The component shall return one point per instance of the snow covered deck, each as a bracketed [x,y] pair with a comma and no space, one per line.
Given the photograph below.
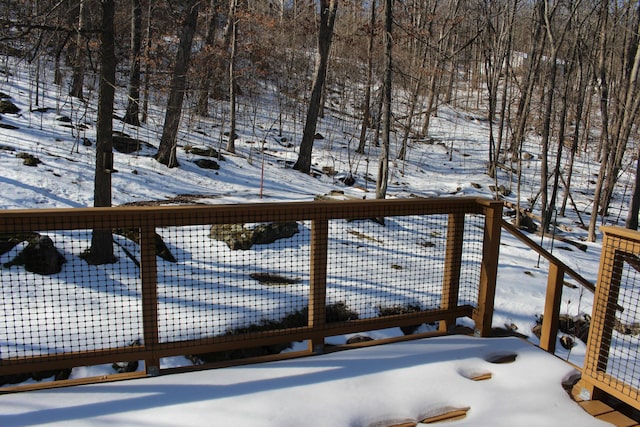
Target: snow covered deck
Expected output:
[381,385]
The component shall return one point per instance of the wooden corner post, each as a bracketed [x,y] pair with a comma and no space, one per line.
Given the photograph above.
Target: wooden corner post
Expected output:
[149,277]
[452,264]
[483,314]
[551,316]
[318,285]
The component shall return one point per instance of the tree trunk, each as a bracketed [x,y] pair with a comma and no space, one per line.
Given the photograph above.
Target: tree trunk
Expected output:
[167,149]
[524,104]
[77,80]
[133,105]
[580,102]
[604,112]
[634,205]
[147,66]
[231,146]
[383,165]
[328,9]
[366,113]
[626,116]
[101,251]
[202,106]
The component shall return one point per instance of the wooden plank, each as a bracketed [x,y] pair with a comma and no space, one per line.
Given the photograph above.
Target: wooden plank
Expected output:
[16,220]
[601,382]
[548,256]
[551,317]
[453,263]
[617,419]
[449,415]
[595,407]
[72,382]
[149,278]
[481,377]
[318,283]
[483,315]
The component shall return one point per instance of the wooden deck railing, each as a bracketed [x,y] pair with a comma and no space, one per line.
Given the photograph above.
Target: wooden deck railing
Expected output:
[441,253]
[555,283]
[612,362]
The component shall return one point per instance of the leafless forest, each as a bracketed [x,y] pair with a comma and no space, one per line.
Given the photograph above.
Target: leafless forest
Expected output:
[564,73]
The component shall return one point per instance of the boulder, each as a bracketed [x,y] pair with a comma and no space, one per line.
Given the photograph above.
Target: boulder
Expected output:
[8,107]
[239,236]
[40,257]
[207,164]
[204,152]
[125,144]
[28,159]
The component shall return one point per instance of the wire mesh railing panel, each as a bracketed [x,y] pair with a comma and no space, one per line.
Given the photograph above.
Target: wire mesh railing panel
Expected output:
[615,318]
[613,354]
[55,302]
[226,282]
[624,353]
[471,259]
[228,279]
[398,267]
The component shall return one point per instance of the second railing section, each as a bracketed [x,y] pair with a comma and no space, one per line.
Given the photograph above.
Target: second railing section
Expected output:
[220,283]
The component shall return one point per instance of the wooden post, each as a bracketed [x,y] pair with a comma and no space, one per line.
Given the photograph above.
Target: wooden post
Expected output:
[318,285]
[619,251]
[452,264]
[551,316]
[605,302]
[483,314]
[149,277]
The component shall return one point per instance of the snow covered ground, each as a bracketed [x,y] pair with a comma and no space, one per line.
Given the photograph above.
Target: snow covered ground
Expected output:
[374,386]
[450,163]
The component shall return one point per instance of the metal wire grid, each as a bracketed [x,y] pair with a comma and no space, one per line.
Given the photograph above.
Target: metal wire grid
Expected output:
[81,308]
[623,361]
[207,289]
[376,270]
[213,289]
[471,259]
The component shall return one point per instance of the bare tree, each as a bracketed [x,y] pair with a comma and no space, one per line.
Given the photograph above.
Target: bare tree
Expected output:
[167,149]
[328,10]
[383,164]
[556,39]
[603,87]
[231,147]
[77,83]
[133,105]
[101,251]
[366,111]
[208,52]
[626,107]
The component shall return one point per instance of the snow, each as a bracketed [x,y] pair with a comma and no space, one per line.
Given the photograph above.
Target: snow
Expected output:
[372,386]
[359,387]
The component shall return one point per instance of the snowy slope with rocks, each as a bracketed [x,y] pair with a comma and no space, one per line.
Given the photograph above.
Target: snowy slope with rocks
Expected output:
[47,155]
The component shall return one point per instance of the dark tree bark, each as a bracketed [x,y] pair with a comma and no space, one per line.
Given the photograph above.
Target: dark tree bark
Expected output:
[603,87]
[524,104]
[167,149]
[581,96]
[77,80]
[133,105]
[555,43]
[366,113]
[202,106]
[147,66]
[231,146]
[383,164]
[101,251]
[626,111]
[634,207]
[328,10]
